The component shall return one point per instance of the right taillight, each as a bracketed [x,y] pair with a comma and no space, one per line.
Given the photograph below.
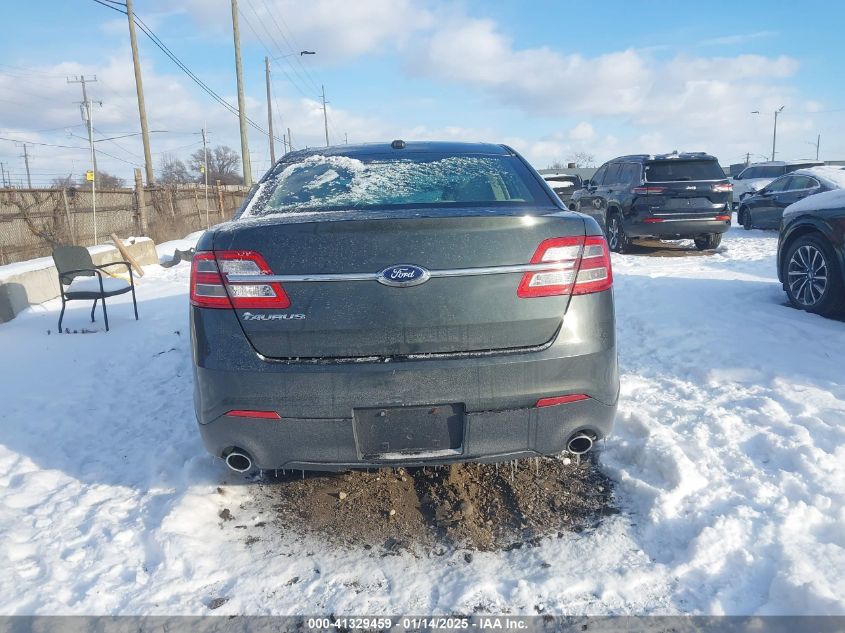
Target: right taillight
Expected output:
[577,265]
[211,288]
[594,273]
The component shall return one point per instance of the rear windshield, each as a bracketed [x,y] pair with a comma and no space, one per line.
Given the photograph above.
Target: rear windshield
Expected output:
[682,170]
[325,183]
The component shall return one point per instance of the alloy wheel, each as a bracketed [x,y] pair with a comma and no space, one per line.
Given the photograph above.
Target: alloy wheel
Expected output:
[807,275]
[613,233]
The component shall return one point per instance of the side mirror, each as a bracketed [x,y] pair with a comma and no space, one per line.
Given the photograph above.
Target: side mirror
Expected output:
[586,184]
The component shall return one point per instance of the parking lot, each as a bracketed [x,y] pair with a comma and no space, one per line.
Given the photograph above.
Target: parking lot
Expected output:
[725,474]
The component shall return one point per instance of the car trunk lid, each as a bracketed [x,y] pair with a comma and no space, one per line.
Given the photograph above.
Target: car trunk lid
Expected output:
[337,308]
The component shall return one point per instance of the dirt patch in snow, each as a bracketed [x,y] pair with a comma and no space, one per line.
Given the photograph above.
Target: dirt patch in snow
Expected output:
[474,506]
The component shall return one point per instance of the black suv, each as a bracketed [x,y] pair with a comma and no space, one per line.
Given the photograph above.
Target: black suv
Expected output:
[667,196]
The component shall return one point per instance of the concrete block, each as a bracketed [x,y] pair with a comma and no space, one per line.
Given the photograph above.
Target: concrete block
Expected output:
[35,281]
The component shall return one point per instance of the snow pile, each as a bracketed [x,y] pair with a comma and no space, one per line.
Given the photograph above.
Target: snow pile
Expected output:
[729,454]
[167,251]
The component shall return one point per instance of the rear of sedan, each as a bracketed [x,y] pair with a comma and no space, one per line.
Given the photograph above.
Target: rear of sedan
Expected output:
[402,304]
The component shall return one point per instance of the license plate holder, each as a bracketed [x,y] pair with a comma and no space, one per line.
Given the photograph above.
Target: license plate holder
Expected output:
[385,433]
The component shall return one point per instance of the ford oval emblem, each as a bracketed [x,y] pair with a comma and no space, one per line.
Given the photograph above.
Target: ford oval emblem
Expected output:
[403,275]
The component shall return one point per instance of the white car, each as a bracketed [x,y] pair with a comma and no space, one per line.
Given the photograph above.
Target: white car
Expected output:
[757,175]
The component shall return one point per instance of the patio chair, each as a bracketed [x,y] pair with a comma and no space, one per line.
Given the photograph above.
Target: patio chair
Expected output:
[80,279]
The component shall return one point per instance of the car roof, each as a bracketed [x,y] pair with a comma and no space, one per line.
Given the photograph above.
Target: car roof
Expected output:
[782,163]
[438,147]
[831,175]
[658,157]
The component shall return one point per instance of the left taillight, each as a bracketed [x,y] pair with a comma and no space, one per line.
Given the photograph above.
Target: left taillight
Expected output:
[211,286]
[578,265]
[207,290]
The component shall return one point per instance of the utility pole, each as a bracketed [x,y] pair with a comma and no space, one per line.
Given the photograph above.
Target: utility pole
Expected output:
[239,72]
[818,144]
[87,114]
[269,113]
[2,176]
[775,132]
[205,172]
[290,143]
[25,157]
[139,88]
[325,116]
[346,137]
[747,158]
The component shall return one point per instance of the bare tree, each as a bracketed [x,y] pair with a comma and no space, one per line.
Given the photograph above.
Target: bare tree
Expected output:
[173,171]
[557,165]
[582,159]
[223,165]
[105,180]
[63,183]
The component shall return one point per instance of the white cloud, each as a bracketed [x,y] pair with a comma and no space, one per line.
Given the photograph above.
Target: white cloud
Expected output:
[582,132]
[740,38]
[336,29]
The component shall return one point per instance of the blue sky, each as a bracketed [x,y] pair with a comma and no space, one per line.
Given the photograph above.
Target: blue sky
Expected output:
[550,78]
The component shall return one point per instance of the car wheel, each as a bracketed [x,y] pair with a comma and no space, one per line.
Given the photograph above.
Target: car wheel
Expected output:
[744,218]
[617,239]
[813,281]
[708,242]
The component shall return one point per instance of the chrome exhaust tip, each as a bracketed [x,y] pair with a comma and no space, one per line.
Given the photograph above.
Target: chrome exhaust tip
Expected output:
[239,461]
[579,444]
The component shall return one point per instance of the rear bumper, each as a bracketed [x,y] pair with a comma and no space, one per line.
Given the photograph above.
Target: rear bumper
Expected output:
[316,401]
[332,444]
[676,229]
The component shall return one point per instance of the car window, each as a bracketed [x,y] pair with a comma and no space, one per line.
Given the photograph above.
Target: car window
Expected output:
[770,171]
[780,184]
[630,174]
[376,181]
[599,175]
[612,176]
[803,182]
[683,170]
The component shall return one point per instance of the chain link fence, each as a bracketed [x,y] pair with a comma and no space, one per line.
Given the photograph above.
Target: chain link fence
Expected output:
[34,221]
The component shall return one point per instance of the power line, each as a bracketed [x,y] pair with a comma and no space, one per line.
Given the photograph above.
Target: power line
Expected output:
[291,49]
[292,44]
[182,66]
[273,56]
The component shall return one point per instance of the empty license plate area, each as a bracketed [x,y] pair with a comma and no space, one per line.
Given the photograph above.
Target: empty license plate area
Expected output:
[397,432]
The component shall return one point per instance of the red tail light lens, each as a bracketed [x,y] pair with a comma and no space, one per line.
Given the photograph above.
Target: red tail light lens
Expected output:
[207,290]
[652,220]
[648,190]
[555,400]
[578,265]
[595,273]
[723,218]
[210,287]
[252,294]
[249,413]
[723,187]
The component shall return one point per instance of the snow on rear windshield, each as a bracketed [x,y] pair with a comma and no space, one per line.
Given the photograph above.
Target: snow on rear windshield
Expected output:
[319,183]
[683,170]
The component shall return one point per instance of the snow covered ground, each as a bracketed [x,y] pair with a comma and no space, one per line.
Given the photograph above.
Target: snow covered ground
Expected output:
[729,458]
